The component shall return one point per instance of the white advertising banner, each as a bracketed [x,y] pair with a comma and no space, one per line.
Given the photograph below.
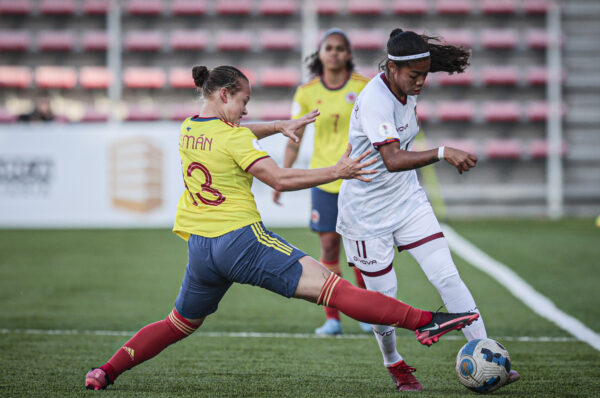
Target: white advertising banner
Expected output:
[111,176]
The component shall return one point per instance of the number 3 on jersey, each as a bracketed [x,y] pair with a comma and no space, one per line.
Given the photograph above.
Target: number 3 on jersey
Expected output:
[206,186]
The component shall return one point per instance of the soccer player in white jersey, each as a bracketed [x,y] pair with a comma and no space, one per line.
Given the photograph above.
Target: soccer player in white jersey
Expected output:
[393,210]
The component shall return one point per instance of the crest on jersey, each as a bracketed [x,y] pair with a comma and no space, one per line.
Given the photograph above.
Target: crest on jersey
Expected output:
[386,129]
[351,97]
[315,216]
[256,145]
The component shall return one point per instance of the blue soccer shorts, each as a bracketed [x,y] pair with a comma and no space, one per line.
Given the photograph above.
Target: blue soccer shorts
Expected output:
[324,210]
[250,255]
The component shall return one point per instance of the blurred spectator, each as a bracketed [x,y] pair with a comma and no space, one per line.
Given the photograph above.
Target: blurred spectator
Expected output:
[41,111]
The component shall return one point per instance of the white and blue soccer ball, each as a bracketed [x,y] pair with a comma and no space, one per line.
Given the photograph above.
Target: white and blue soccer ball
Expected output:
[483,365]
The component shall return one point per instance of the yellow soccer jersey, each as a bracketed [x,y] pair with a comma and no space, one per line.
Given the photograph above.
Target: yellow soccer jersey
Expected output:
[331,127]
[215,157]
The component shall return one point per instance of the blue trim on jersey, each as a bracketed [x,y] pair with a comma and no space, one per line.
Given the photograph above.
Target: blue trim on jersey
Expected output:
[197,118]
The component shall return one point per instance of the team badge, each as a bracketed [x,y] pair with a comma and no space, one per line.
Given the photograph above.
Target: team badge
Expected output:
[351,97]
[256,145]
[315,216]
[386,129]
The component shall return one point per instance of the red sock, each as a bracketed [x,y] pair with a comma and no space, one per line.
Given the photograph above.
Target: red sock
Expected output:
[360,282]
[370,307]
[333,266]
[147,343]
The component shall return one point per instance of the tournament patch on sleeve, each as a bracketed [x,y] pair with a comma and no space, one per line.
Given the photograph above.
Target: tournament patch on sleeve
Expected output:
[245,148]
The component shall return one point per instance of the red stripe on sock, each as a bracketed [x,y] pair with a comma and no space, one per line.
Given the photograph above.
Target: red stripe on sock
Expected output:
[329,263]
[325,288]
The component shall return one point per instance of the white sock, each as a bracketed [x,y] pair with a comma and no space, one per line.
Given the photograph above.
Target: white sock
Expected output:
[436,261]
[386,335]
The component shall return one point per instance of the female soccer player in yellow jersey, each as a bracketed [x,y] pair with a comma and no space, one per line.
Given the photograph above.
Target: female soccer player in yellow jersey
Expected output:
[333,90]
[227,242]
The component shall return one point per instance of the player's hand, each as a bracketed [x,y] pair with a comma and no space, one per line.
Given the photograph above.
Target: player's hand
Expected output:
[276,197]
[348,168]
[462,160]
[289,127]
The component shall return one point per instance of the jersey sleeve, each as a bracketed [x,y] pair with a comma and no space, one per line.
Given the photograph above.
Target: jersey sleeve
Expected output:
[299,105]
[377,119]
[245,149]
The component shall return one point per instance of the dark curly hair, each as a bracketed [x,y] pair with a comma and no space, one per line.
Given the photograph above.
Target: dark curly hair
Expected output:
[315,66]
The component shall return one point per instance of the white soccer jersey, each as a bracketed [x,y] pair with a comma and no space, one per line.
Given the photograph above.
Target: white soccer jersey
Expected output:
[371,210]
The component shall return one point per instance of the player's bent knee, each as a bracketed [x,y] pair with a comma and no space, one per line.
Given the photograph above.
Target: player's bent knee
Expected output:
[312,279]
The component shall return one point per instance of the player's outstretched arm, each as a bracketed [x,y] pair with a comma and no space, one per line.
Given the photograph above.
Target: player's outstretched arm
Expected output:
[285,127]
[397,159]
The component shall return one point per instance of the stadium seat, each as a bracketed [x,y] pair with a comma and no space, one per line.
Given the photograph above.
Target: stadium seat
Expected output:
[144,77]
[57,7]
[146,40]
[278,39]
[95,7]
[538,111]
[56,40]
[501,111]
[536,6]
[95,77]
[15,7]
[362,7]
[189,7]
[504,7]
[500,75]
[277,7]
[249,73]
[55,77]
[189,39]
[465,144]
[233,7]
[456,79]
[95,40]
[537,39]
[328,7]
[144,7]
[499,38]
[279,77]
[539,76]
[7,117]
[138,113]
[457,37]
[274,111]
[368,39]
[367,71]
[424,111]
[503,149]
[457,7]
[15,76]
[181,78]
[180,112]
[410,7]
[234,40]
[14,40]
[456,111]
[93,115]
[540,148]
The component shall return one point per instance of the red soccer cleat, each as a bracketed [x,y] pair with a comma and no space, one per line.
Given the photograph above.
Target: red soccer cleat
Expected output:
[442,323]
[96,379]
[513,376]
[402,375]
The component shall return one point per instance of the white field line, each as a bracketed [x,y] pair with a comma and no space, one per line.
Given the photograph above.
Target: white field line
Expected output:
[539,303]
[74,332]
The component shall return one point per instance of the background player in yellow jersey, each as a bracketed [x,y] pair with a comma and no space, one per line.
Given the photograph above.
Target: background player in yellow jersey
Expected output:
[227,242]
[333,89]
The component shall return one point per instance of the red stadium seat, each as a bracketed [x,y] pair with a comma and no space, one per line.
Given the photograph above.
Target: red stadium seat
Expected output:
[57,7]
[147,40]
[498,6]
[538,111]
[424,111]
[189,39]
[144,77]
[14,40]
[368,39]
[536,6]
[500,76]
[501,111]
[95,77]
[15,7]
[410,7]
[456,111]
[540,148]
[466,145]
[180,112]
[249,73]
[279,77]
[56,40]
[456,79]
[189,7]
[95,7]
[144,7]
[540,76]
[7,117]
[55,77]
[96,40]
[538,39]
[234,7]
[362,7]
[457,37]
[278,39]
[503,149]
[277,7]
[234,40]
[15,76]
[275,111]
[367,71]
[137,113]
[93,115]
[328,7]
[453,6]
[181,78]
[499,38]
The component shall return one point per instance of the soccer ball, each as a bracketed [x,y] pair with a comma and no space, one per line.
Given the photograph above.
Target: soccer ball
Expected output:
[482,365]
